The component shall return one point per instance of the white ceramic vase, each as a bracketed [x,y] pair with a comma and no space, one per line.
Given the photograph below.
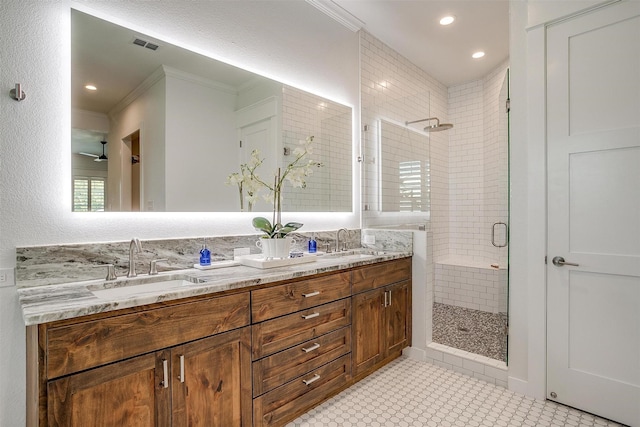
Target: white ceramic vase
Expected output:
[275,248]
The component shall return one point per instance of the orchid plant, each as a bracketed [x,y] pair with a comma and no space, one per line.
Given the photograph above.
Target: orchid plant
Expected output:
[245,182]
[295,173]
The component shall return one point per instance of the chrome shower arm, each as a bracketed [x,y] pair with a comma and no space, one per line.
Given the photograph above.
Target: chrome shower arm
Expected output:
[424,120]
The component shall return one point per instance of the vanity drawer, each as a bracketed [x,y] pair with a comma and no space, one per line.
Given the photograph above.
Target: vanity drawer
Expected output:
[75,347]
[282,367]
[375,276]
[291,297]
[292,399]
[278,334]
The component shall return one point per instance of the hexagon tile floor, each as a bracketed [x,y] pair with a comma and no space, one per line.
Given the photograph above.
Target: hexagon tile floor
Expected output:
[409,393]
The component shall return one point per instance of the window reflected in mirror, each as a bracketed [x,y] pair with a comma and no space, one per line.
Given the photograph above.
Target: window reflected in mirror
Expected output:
[405,168]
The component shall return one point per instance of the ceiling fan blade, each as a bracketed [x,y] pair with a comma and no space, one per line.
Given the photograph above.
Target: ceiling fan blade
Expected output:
[89,154]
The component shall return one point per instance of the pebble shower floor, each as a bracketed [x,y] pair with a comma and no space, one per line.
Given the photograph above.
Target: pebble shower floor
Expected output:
[474,331]
[409,393]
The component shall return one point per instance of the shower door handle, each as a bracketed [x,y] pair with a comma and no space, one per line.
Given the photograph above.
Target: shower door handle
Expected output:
[493,234]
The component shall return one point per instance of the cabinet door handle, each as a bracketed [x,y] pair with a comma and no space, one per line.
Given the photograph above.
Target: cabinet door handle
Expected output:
[165,373]
[181,376]
[315,346]
[386,301]
[310,316]
[311,294]
[389,297]
[311,380]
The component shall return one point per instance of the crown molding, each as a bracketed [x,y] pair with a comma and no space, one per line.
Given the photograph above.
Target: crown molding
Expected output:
[338,13]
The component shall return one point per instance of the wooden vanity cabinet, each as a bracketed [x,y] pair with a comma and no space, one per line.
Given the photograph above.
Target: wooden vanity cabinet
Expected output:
[124,393]
[252,359]
[211,381]
[381,316]
[207,383]
[301,346]
[174,365]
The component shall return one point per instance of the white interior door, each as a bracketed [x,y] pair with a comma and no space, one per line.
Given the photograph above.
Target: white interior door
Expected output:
[593,147]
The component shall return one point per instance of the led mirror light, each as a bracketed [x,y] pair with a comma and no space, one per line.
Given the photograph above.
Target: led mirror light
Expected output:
[447,20]
[477,55]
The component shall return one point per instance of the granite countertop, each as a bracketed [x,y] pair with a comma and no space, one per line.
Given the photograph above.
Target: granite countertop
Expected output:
[49,303]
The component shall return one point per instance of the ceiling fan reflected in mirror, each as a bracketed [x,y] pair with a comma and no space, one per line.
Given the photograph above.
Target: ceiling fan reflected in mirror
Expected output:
[100,158]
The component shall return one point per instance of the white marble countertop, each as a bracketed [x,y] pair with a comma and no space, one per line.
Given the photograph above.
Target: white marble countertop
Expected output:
[41,304]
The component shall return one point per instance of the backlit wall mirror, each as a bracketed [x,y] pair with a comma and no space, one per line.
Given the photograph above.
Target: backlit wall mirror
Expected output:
[156,127]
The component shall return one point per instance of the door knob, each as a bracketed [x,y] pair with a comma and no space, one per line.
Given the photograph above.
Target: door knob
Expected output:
[558,261]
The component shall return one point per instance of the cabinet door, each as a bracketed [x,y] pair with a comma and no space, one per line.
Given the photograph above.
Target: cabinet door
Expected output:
[211,381]
[397,320]
[368,328]
[129,393]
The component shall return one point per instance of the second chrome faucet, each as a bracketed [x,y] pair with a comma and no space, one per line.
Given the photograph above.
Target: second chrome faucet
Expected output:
[134,247]
[344,245]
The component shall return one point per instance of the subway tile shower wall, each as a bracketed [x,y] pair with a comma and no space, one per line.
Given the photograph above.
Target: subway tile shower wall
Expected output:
[478,169]
[468,182]
[396,90]
[476,288]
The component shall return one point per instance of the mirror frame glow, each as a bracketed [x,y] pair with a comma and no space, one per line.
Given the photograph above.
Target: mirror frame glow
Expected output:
[344,172]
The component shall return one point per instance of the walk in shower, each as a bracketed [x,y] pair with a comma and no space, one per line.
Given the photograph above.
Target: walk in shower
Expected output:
[448,184]
[471,282]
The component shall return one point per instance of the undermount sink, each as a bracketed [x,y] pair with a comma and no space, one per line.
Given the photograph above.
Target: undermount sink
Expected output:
[355,254]
[141,287]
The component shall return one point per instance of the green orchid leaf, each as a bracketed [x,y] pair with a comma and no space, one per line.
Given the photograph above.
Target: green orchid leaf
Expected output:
[293,225]
[288,228]
[262,224]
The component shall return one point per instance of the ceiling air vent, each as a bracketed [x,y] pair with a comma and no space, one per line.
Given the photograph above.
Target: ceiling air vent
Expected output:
[145,43]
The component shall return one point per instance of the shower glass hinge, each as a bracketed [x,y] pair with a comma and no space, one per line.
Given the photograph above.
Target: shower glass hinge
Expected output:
[508,105]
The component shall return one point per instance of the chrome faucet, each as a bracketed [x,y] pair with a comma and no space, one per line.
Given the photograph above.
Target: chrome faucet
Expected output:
[134,246]
[338,240]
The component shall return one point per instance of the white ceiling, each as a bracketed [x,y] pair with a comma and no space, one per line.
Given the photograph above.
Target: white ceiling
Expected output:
[412,28]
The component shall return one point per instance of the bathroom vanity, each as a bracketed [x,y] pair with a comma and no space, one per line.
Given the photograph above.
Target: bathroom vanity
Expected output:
[235,350]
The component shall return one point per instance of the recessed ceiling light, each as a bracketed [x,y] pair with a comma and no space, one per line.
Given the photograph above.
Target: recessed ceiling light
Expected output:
[447,20]
[90,87]
[478,55]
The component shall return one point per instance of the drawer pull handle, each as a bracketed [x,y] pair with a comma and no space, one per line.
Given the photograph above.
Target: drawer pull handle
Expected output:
[181,377]
[313,379]
[165,373]
[311,294]
[310,316]
[315,346]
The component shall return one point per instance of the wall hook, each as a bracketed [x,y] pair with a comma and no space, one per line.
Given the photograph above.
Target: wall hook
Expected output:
[17,93]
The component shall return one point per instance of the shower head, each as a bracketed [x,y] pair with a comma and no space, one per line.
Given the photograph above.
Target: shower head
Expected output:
[433,128]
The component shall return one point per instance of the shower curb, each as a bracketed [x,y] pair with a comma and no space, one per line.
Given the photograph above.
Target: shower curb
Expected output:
[481,367]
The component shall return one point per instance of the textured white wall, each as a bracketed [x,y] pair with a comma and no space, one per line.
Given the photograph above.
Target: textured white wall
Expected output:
[289,41]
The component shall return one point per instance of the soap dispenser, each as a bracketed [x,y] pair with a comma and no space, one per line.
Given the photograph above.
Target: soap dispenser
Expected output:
[313,245]
[205,254]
